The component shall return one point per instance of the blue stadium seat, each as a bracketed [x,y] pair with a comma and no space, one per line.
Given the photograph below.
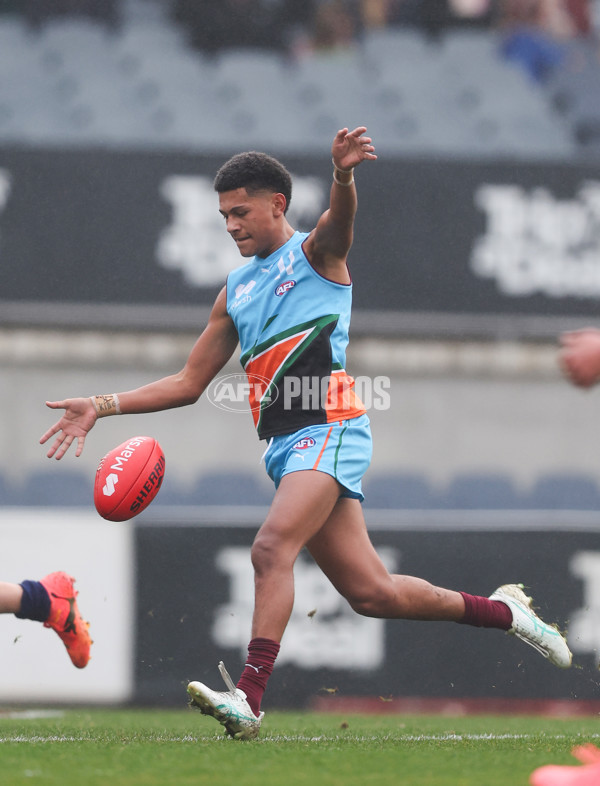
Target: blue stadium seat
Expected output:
[219,488]
[57,488]
[463,47]
[564,491]
[75,83]
[481,491]
[396,47]
[8,492]
[398,491]
[574,91]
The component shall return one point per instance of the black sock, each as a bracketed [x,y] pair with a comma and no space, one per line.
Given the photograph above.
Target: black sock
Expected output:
[35,604]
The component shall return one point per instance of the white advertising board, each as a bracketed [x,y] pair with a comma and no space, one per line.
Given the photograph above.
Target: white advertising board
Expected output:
[99,554]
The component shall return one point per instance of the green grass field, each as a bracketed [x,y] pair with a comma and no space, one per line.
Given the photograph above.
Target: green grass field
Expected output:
[163,747]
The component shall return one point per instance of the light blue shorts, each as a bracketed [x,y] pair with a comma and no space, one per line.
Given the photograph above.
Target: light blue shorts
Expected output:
[342,449]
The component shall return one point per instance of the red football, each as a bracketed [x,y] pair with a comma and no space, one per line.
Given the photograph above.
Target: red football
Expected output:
[128,478]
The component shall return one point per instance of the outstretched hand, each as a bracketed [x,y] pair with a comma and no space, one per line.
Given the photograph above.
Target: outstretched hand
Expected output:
[579,356]
[351,147]
[79,417]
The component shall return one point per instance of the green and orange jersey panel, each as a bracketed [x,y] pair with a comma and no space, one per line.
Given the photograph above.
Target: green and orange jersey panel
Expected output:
[293,329]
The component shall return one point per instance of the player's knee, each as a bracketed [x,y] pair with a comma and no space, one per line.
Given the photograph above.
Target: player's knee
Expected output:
[266,553]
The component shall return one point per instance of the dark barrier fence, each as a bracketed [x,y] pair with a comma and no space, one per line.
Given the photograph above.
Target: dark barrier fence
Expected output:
[195,589]
[135,239]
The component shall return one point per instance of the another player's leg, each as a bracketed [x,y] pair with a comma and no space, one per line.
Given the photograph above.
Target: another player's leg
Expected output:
[302,503]
[343,550]
[51,601]
[10,597]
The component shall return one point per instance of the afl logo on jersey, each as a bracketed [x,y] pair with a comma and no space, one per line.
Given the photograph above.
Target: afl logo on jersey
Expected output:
[304,444]
[283,288]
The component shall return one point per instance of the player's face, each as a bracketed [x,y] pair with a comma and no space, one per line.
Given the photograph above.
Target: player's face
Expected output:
[253,220]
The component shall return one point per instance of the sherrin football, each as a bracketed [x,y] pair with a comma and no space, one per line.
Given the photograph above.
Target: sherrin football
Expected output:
[128,478]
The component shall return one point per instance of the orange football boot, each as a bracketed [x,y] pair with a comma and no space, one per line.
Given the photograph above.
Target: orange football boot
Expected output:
[65,618]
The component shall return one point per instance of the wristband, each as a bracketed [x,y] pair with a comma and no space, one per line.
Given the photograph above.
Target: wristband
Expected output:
[106,404]
[337,169]
[341,182]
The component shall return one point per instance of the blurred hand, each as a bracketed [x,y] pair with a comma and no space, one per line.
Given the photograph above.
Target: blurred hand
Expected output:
[579,356]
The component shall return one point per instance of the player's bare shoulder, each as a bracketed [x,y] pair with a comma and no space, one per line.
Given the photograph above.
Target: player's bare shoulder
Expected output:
[324,259]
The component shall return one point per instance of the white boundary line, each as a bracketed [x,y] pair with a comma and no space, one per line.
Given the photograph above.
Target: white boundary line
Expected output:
[450,737]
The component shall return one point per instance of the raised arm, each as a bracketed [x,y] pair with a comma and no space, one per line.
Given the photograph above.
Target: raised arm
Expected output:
[211,351]
[328,244]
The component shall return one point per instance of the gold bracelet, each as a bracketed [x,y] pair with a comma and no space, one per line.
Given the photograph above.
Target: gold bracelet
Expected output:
[106,404]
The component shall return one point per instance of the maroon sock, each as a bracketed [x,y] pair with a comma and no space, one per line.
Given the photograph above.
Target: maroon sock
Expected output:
[486,613]
[258,669]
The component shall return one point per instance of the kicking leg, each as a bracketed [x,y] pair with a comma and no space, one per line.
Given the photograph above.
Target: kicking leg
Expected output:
[343,550]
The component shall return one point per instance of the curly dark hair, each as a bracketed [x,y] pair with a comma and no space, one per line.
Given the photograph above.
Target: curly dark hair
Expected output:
[254,172]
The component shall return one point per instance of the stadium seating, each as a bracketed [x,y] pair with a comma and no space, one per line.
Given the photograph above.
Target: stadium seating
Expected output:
[481,491]
[384,490]
[218,488]
[564,491]
[399,490]
[574,90]
[8,495]
[76,82]
[55,488]
[405,490]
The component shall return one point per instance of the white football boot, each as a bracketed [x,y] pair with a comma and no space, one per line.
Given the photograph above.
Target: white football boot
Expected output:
[229,707]
[526,624]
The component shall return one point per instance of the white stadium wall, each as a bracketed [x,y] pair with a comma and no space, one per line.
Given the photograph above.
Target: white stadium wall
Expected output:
[35,665]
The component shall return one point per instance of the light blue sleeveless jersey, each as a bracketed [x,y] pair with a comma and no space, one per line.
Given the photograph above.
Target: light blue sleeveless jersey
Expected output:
[293,329]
